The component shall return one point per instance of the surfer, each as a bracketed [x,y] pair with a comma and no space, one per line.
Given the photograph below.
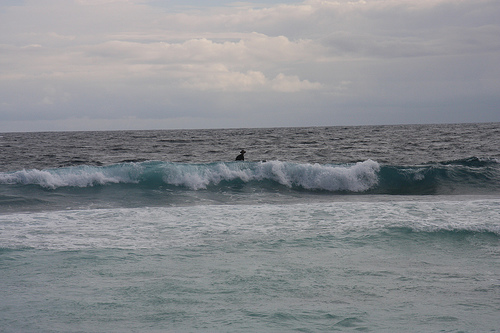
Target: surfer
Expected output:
[241,156]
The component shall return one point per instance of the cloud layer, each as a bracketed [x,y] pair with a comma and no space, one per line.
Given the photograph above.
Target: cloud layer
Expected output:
[117,64]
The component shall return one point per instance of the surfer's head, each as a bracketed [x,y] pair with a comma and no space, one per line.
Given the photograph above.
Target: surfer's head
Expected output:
[242,151]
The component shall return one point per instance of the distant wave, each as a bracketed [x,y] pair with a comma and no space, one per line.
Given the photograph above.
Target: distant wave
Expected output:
[473,162]
[460,176]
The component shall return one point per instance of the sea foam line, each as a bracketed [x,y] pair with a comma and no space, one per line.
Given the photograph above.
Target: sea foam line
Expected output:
[159,227]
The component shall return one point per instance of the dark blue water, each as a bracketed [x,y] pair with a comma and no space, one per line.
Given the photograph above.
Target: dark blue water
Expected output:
[388,145]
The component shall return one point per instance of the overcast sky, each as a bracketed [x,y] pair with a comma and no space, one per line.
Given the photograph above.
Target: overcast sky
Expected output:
[159,64]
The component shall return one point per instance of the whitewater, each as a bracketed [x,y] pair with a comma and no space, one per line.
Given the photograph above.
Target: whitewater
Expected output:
[369,228]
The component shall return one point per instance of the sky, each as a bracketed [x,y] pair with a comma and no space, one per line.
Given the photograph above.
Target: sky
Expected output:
[150,64]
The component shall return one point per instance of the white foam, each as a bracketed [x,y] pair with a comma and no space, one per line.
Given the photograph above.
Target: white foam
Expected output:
[162,227]
[79,177]
[199,176]
[359,177]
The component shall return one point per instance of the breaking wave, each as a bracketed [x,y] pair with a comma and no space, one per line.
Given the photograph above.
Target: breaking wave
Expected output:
[451,177]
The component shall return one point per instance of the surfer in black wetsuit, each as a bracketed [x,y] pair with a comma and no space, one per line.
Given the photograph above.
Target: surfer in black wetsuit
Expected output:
[241,156]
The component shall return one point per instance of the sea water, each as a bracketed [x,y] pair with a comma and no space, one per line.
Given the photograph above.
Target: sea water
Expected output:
[370,228]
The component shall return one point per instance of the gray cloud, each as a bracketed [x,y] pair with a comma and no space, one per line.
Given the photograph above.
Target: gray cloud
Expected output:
[97,64]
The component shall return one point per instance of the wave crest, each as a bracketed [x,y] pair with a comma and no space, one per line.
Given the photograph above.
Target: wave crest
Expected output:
[85,176]
[458,177]
[358,177]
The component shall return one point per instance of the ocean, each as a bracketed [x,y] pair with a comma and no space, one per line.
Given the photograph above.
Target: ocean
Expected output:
[320,229]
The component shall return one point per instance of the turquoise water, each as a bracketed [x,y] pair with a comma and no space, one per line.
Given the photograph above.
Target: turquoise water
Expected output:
[391,265]
[97,242]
